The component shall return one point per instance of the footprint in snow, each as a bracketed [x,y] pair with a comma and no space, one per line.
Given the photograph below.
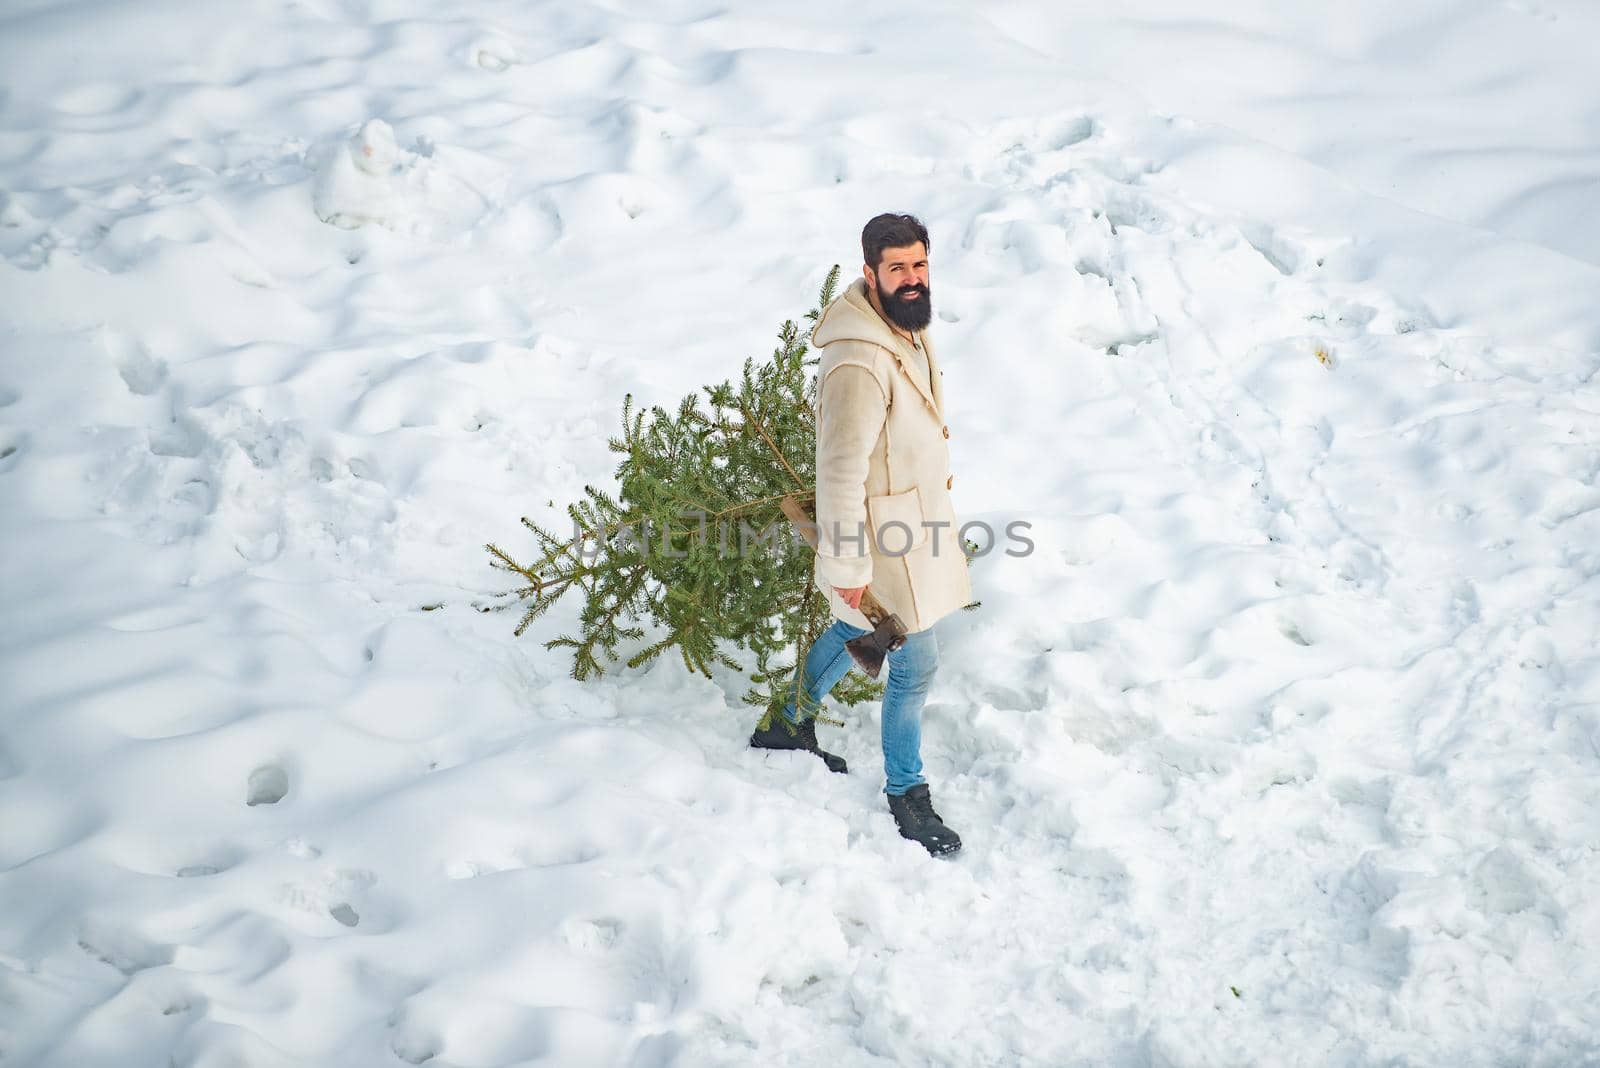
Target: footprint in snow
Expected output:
[123,950]
[343,895]
[183,1001]
[197,871]
[1292,632]
[268,785]
[1501,884]
[1069,132]
[212,861]
[182,439]
[414,1047]
[1285,256]
[142,373]
[195,498]
[1131,213]
[595,936]
[494,55]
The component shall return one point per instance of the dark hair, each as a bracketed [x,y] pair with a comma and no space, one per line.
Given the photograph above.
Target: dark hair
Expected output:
[890,231]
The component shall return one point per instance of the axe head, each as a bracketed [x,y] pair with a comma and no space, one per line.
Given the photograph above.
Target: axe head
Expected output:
[870,650]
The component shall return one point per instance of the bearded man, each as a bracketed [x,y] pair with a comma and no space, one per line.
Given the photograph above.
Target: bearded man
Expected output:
[884,515]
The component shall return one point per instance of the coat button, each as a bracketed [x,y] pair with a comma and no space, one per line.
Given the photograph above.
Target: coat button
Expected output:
[950,482]
[947,432]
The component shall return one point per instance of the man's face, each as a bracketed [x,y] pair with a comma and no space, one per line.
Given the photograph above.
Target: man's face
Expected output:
[902,283]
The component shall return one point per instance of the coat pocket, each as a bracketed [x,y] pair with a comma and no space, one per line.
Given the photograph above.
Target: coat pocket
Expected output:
[897,522]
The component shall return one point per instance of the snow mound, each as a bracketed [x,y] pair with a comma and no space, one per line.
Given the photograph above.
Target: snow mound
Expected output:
[430,191]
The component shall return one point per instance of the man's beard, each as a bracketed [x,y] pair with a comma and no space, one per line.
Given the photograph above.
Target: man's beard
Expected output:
[908,314]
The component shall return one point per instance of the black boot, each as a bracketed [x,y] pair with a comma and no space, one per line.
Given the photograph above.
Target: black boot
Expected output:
[914,815]
[781,734]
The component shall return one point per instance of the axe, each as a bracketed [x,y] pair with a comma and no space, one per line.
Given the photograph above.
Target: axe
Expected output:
[887,633]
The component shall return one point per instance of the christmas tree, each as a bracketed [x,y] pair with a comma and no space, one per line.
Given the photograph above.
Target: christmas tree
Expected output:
[692,553]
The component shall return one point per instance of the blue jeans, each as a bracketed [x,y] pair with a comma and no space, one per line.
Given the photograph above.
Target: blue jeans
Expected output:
[911,671]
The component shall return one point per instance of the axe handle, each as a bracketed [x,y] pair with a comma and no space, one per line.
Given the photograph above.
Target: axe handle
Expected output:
[871,607]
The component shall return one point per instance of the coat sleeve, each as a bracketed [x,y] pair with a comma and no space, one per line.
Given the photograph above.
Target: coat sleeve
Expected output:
[850,412]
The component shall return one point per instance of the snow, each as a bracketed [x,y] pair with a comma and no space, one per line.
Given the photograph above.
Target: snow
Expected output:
[1276,323]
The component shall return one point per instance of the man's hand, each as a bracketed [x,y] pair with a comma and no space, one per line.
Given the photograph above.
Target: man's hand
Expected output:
[852,596]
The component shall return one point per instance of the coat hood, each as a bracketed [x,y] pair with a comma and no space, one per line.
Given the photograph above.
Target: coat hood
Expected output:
[852,317]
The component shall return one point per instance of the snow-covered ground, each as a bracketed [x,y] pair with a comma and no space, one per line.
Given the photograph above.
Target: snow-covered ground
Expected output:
[1283,748]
